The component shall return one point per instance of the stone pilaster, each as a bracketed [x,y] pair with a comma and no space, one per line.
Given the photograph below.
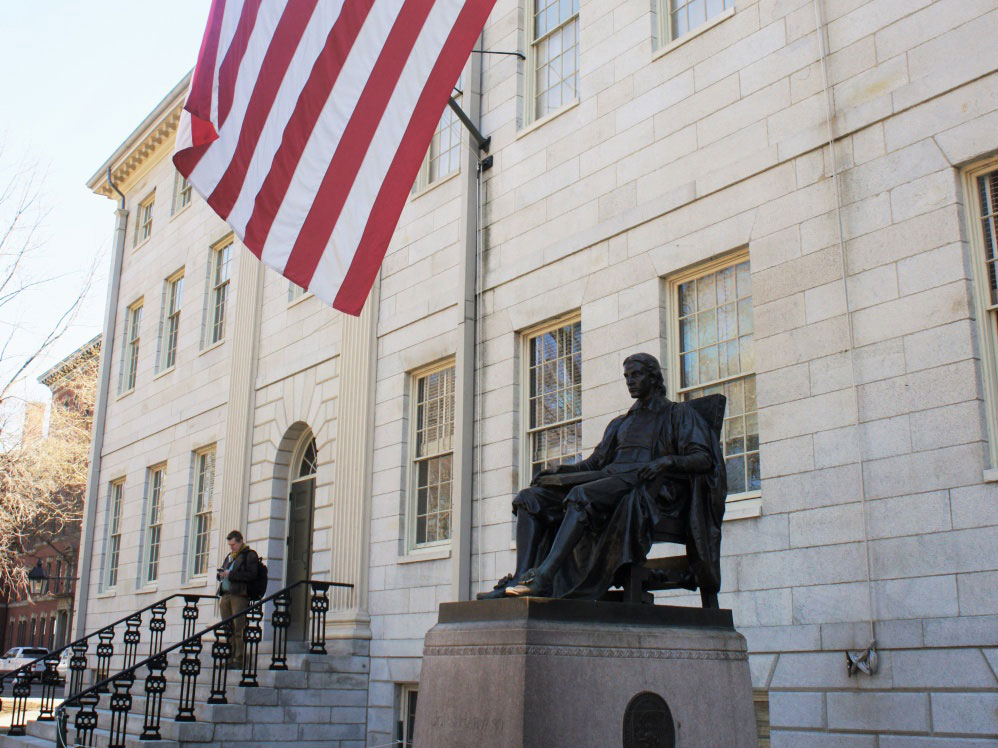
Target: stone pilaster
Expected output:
[349,617]
[244,331]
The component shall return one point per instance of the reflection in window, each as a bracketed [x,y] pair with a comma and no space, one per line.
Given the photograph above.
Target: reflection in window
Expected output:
[554,404]
[434,456]
[554,46]
[716,356]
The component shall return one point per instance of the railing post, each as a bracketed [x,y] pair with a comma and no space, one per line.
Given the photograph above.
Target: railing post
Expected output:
[190,615]
[280,621]
[86,720]
[21,692]
[221,651]
[78,665]
[157,625]
[319,606]
[252,635]
[50,679]
[155,686]
[121,705]
[105,650]
[132,637]
[190,668]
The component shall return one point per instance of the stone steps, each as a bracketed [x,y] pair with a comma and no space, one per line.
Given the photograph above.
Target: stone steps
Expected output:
[321,700]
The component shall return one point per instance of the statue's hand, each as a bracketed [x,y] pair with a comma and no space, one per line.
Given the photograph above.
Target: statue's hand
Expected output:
[541,473]
[656,468]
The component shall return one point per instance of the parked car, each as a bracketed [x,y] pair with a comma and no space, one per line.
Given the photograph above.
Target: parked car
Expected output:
[19,656]
[63,667]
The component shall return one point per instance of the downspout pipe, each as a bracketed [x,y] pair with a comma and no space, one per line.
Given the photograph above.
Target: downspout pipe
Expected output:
[86,561]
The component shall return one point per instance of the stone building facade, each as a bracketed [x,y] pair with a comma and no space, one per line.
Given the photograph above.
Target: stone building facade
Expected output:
[790,201]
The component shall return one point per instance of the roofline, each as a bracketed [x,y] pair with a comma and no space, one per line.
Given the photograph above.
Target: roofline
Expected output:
[161,110]
[49,376]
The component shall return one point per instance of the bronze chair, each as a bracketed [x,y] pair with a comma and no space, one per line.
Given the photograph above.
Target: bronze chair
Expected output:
[679,572]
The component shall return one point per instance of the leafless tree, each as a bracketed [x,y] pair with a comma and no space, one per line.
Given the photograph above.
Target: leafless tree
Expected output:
[42,472]
[23,273]
[43,478]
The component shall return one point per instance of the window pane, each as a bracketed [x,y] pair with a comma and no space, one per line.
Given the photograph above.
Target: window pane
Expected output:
[433,451]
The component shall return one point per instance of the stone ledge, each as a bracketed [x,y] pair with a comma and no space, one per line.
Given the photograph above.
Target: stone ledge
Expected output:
[582,611]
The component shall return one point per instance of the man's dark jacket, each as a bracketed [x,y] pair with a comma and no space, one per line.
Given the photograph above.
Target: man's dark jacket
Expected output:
[242,569]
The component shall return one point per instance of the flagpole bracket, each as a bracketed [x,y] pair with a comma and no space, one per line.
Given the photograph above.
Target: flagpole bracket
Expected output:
[485,164]
[482,141]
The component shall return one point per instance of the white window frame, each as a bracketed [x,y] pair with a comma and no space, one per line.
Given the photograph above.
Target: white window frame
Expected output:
[530,113]
[183,193]
[169,324]
[986,313]
[412,542]
[112,555]
[143,219]
[295,292]
[201,505]
[406,703]
[128,372]
[745,503]
[152,535]
[526,432]
[667,34]
[449,125]
[218,292]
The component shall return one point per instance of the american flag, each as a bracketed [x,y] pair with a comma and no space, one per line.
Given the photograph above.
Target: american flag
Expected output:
[307,121]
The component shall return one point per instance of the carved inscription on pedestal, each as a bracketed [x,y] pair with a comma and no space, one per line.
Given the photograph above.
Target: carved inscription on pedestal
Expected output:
[648,723]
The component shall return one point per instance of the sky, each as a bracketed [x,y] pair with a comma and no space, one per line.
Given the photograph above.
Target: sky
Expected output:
[78,77]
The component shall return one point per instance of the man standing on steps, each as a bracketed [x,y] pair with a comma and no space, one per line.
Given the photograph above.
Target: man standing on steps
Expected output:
[241,565]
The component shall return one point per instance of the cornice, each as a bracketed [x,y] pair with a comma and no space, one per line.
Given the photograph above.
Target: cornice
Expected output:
[159,127]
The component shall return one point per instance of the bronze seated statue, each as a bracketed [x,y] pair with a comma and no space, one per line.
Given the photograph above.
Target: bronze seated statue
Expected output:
[657,475]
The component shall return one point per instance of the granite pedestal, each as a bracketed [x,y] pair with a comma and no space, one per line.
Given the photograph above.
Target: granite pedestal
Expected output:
[541,673]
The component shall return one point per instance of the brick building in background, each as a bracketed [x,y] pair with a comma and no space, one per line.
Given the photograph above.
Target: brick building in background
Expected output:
[42,614]
[790,201]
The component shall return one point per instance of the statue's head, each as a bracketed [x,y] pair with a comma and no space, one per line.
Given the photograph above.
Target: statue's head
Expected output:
[643,375]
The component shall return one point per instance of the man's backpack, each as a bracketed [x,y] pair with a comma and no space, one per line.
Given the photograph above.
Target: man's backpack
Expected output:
[257,588]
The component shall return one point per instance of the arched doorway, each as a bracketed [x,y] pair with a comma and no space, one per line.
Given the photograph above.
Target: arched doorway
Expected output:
[301,509]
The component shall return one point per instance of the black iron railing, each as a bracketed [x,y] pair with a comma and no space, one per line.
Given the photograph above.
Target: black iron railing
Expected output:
[120,701]
[104,651]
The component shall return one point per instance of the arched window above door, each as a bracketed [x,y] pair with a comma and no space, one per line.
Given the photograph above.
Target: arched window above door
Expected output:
[309,461]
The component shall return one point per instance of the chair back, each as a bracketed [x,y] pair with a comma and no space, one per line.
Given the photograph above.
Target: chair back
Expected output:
[711,408]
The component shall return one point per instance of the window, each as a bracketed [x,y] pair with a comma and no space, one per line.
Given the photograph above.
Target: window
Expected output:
[982,200]
[219,263]
[714,354]
[113,534]
[444,156]
[130,348]
[554,397]
[552,56]
[433,457]
[143,219]
[173,299]
[181,193]
[204,483]
[405,716]
[295,291]
[681,16]
[154,524]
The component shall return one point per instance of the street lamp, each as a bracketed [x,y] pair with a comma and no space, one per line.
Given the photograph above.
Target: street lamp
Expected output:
[37,578]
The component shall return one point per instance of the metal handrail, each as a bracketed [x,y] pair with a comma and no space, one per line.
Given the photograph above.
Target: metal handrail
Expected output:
[27,666]
[190,667]
[105,650]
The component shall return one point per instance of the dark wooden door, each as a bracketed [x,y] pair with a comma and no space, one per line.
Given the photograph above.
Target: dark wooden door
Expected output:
[300,553]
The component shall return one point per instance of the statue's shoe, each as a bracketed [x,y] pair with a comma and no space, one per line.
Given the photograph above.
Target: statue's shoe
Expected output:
[499,591]
[531,584]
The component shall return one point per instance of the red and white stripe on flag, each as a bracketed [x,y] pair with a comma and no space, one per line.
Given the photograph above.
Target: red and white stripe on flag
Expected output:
[307,121]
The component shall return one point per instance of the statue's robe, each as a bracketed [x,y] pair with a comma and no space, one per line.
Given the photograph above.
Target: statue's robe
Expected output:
[621,511]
